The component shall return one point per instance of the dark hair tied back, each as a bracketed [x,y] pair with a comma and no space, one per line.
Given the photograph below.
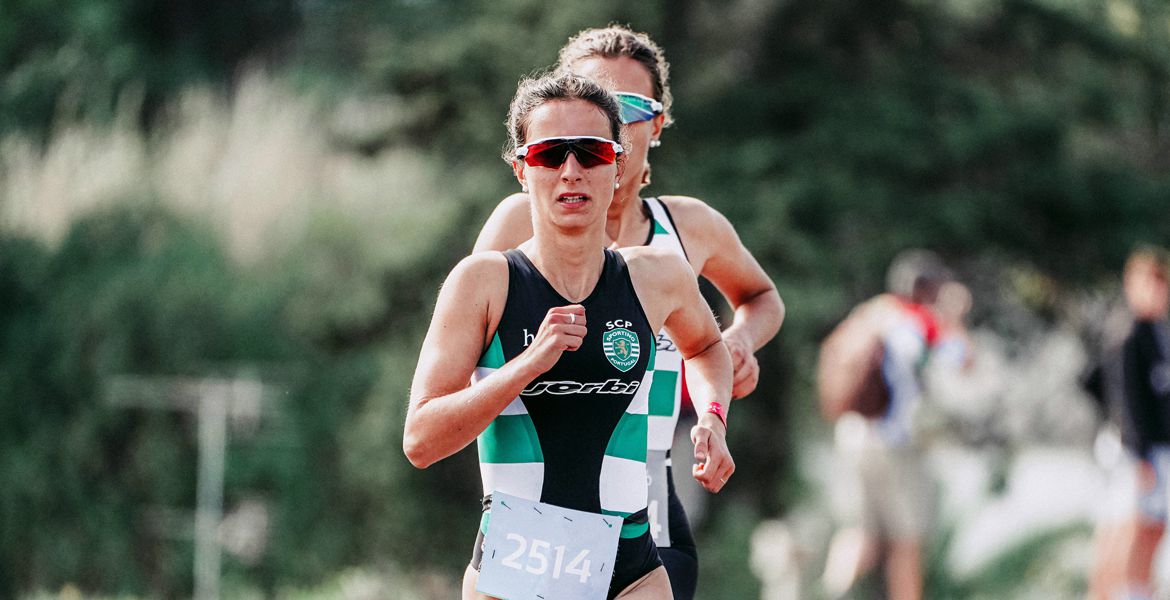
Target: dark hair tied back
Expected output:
[533,93]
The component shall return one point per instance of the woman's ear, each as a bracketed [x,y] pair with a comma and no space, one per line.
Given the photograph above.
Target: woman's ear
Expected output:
[659,123]
[518,170]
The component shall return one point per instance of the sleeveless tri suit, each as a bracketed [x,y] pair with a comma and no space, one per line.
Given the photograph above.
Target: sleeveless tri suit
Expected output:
[576,436]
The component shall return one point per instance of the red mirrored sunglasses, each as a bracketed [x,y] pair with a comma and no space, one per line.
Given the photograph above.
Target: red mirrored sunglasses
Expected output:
[590,151]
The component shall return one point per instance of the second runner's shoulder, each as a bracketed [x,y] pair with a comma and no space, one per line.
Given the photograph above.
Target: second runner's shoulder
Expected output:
[509,225]
[703,229]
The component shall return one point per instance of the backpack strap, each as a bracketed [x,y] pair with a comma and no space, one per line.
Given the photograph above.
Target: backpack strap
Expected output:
[926,320]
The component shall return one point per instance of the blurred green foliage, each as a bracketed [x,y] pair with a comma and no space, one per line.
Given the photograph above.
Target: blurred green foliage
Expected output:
[1022,134]
[76,59]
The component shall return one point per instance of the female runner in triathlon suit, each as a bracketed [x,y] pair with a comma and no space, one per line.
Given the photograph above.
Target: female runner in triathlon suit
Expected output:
[633,67]
[558,334]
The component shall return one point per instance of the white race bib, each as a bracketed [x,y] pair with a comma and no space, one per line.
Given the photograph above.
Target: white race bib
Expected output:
[537,551]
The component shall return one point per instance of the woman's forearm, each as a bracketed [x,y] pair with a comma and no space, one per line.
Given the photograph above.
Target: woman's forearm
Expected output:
[439,426]
[757,320]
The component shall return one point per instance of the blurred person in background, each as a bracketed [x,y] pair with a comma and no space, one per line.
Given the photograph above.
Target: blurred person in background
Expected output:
[1133,381]
[515,323]
[952,352]
[633,67]
[878,352]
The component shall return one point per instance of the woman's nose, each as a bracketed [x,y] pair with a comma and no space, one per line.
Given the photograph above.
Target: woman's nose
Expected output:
[571,170]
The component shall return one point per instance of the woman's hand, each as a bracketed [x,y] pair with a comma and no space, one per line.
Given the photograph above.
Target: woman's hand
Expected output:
[714,465]
[744,365]
[563,329]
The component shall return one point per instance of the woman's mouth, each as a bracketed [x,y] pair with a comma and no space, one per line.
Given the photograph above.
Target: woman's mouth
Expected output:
[572,198]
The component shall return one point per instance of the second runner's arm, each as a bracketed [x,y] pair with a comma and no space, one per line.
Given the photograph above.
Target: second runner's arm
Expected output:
[721,257]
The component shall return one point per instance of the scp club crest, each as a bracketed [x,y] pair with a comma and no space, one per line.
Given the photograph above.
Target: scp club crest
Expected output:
[621,348]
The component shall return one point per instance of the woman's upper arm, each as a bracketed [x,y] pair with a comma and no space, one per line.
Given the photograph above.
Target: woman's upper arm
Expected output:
[670,295]
[509,225]
[467,311]
[725,261]
[691,324]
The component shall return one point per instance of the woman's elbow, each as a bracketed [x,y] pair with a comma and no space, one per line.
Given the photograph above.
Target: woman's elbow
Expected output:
[416,451]
[712,347]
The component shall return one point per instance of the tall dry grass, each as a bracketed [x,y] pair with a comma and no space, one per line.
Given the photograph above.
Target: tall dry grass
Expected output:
[260,165]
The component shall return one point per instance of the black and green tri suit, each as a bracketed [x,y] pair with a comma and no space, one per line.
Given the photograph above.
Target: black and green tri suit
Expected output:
[576,436]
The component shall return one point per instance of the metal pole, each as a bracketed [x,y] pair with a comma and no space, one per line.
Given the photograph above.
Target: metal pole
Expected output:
[213,401]
[209,489]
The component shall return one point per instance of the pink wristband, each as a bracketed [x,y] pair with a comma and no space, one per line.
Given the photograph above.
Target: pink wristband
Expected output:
[716,409]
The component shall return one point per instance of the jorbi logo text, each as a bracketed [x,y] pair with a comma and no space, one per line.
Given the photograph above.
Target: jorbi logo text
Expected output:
[609,386]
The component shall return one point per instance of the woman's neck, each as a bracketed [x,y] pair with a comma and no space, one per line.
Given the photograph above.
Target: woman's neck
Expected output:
[571,263]
[626,222]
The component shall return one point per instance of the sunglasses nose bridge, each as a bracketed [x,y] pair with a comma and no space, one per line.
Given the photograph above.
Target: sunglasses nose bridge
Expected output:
[572,168]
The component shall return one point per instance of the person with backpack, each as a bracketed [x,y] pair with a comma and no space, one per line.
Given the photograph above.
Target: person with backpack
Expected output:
[869,378]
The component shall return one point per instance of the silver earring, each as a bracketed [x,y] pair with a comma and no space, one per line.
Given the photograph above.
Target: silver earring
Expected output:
[655,143]
[524,187]
[617,184]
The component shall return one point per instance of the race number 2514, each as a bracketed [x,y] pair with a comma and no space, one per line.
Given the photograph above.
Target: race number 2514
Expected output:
[538,551]
[542,555]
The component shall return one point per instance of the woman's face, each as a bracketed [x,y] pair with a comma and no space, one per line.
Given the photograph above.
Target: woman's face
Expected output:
[570,196]
[624,74]
[1147,291]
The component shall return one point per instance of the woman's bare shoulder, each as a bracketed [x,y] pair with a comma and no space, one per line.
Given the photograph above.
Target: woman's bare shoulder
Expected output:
[479,270]
[655,265]
[695,217]
[509,225]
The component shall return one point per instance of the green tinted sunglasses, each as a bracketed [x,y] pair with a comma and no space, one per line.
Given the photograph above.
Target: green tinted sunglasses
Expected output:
[636,108]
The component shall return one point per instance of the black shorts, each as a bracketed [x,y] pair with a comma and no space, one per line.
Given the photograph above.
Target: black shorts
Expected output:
[636,556]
